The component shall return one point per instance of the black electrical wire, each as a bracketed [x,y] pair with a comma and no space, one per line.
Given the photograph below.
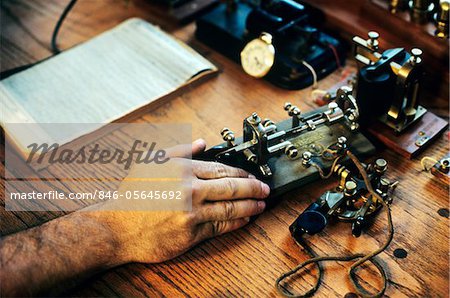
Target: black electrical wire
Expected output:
[54,46]
[61,19]
[362,258]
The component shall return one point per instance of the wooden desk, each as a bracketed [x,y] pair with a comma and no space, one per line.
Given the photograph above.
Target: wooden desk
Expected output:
[246,262]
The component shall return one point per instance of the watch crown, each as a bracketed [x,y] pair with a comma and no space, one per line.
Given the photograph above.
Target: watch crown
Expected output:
[266,37]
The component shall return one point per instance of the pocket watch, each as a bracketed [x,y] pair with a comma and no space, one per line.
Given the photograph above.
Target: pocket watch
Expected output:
[258,56]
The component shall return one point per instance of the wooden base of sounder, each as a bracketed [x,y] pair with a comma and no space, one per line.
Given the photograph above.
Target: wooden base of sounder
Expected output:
[415,139]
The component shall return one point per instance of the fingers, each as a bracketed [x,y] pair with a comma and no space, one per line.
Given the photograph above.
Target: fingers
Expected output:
[216,228]
[228,210]
[187,150]
[229,189]
[214,170]
[198,146]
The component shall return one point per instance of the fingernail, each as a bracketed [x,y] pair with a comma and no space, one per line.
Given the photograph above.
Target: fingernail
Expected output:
[199,142]
[251,176]
[261,206]
[265,189]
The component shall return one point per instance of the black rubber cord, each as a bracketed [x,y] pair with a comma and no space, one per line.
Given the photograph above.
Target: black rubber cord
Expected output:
[361,258]
[61,19]
[54,46]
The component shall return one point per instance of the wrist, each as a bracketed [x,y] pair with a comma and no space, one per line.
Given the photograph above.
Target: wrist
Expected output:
[107,239]
[113,227]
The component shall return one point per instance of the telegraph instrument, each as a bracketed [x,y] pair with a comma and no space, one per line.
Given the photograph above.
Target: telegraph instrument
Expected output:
[387,91]
[439,168]
[363,190]
[278,40]
[349,202]
[432,15]
[275,152]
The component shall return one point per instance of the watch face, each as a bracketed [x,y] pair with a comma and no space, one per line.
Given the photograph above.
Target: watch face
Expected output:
[257,58]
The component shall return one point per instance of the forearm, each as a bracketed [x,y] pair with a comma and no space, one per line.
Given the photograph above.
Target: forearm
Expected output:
[78,245]
[65,249]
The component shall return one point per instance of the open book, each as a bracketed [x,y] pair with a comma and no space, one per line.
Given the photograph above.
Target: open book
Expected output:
[130,68]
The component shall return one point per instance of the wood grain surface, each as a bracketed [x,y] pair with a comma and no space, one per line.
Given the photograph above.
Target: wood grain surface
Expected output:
[244,263]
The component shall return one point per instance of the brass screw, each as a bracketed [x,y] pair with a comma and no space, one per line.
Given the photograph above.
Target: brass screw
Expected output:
[306,158]
[373,40]
[254,119]
[227,135]
[333,106]
[445,165]
[416,56]
[291,151]
[291,109]
[268,122]
[342,142]
[442,19]
[393,6]
[380,165]
[350,188]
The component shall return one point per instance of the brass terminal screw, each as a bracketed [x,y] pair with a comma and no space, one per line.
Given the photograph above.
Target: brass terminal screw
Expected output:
[445,165]
[342,142]
[352,115]
[254,119]
[291,109]
[291,151]
[332,106]
[350,188]
[372,42]
[393,6]
[267,122]
[416,56]
[380,165]
[442,19]
[228,136]
[306,158]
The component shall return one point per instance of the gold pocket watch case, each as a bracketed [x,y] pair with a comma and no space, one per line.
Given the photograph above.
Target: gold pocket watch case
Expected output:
[258,56]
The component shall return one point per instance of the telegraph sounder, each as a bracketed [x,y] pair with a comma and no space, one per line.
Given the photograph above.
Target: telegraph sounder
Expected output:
[387,91]
[277,40]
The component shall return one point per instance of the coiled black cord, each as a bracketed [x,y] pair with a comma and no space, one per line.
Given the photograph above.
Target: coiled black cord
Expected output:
[362,258]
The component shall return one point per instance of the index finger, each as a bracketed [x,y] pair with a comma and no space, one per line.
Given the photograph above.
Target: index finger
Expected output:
[214,170]
[233,188]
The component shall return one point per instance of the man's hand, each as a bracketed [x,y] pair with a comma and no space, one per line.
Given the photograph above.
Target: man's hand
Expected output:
[223,200]
[86,242]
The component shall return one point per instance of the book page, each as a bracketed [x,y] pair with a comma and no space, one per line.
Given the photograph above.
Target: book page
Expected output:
[102,79]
